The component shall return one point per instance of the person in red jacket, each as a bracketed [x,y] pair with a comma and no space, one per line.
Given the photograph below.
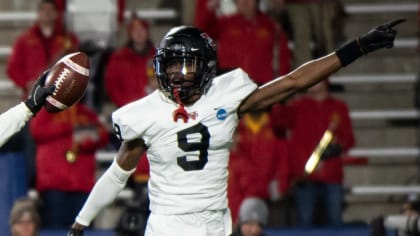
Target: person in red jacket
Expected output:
[249,30]
[39,47]
[127,67]
[307,118]
[66,143]
[256,159]
[35,50]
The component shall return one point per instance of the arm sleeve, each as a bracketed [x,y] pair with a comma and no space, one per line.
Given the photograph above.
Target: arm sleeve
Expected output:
[13,120]
[104,192]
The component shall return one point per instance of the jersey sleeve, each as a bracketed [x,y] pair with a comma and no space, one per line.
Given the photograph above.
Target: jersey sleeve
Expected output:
[130,121]
[13,120]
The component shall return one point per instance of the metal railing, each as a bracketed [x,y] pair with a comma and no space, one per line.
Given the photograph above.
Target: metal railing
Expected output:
[29,16]
[370,8]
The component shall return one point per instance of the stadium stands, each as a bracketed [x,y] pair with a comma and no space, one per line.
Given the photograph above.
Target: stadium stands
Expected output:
[379,90]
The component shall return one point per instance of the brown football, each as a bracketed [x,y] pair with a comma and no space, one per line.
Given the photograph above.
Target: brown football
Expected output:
[70,75]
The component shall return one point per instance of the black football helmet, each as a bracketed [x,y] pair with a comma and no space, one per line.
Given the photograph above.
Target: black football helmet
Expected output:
[194,54]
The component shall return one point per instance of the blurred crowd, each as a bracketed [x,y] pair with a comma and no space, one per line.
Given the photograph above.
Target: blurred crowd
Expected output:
[268,182]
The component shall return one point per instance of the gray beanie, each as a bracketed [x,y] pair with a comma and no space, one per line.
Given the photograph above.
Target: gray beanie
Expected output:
[21,207]
[253,209]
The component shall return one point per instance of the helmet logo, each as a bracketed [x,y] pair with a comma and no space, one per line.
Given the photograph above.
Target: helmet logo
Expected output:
[208,39]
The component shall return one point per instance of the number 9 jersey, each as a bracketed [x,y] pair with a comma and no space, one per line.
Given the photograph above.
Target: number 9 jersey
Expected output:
[188,161]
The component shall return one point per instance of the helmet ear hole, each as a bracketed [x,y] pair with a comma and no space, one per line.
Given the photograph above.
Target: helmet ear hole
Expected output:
[186,43]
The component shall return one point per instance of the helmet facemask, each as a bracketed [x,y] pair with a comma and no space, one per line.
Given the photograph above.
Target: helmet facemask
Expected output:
[185,64]
[181,76]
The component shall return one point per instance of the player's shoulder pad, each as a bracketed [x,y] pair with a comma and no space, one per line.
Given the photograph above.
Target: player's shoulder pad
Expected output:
[234,85]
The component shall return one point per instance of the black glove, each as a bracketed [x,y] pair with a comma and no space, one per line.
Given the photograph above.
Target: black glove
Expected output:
[75,232]
[39,93]
[380,37]
[332,150]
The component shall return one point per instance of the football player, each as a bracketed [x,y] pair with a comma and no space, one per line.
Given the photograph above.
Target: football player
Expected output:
[186,127]
[13,120]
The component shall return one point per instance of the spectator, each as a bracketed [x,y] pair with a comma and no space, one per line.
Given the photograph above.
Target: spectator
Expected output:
[253,216]
[313,21]
[325,183]
[33,52]
[65,161]
[126,76]
[254,161]
[24,218]
[247,30]
[39,47]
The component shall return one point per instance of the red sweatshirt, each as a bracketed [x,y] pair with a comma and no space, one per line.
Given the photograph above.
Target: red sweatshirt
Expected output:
[256,160]
[307,121]
[33,53]
[53,135]
[246,44]
[126,75]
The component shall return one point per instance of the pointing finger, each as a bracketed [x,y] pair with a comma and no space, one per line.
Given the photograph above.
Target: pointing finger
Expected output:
[395,22]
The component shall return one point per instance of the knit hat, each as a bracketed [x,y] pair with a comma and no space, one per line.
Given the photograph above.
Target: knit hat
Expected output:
[253,209]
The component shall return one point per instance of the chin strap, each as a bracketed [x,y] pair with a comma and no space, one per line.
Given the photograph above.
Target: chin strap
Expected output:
[180,112]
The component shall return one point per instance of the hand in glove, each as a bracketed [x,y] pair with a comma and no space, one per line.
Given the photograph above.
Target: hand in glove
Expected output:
[331,151]
[382,36]
[39,93]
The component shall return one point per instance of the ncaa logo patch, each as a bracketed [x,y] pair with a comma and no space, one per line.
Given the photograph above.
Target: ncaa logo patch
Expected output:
[221,114]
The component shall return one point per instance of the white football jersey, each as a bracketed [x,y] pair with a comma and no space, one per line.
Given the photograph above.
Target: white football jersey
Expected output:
[188,161]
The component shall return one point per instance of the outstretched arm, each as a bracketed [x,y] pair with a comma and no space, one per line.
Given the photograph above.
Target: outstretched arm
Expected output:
[314,71]
[282,87]
[110,184]
[13,120]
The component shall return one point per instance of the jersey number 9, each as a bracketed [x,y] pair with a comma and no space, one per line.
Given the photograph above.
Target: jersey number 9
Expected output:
[201,146]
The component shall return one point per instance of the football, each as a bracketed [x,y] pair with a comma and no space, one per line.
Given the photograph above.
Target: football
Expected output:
[70,75]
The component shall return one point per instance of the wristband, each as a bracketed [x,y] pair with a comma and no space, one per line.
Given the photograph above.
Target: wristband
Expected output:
[348,52]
